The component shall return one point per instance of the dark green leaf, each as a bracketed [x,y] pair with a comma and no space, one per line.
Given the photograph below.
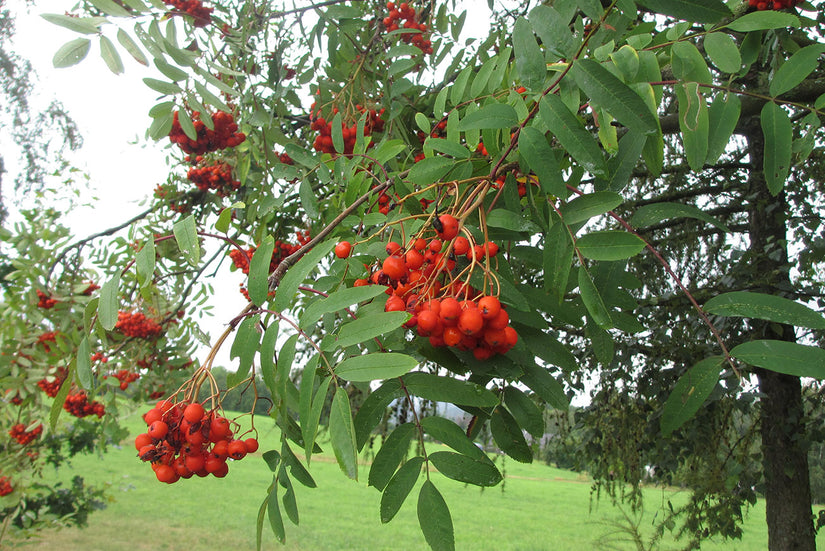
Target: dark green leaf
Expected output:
[267,352]
[274,511]
[296,468]
[557,257]
[493,115]
[258,284]
[244,347]
[533,146]
[778,131]
[593,300]
[545,385]
[465,469]
[723,115]
[609,245]
[452,435]
[368,327]
[509,220]
[723,51]
[273,460]
[699,11]
[796,69]
[690,392]
[342,434]
[399,488]
[570,132]
[648,215]
[393,451]
[60,399]
[434,519]
[430,170]
[372,410]
[507,435]
[763,21]
[789,358]
[587,206]
[529,58]
[447,389]
[525,411]
[375,366]
[766,307]
[447,147]
[71,53]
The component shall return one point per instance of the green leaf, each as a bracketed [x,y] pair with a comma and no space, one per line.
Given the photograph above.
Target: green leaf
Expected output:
[530,65]
[82,25]
[132,47]
[109,303]
[689,64]
[508,437]
[545,386]
[648,215]
[785,357]
[434,519]
[186,236]
[372,410]
[447,389]
[259,525]
[368,327]
[166,88]
[84,364]
[570,132]
[338,300]
[225,217]
[71,53]
[244,347]
[492,115]
[509,220]
[342,434]
[699,11]
[393,451]
[274,512]
[796,69]
[557,257]
[766,307]
[399,487]
[525,411]
[609,245]
[296,468]
[258,284]
[145,263]
[593,301]
[723,52]
[447,147]
[452,435]
[723,115]
[110,8]
[778,131]
[309,426]
[466,469]
[614,96]
[552,28]
[533,146]
[267,353]
[763,21]
[186,124]
[375,366]
[60,399]
[109,54]
[430,170]
[585,207]
[293,278]
[305,399]
[694,124]
[690,392]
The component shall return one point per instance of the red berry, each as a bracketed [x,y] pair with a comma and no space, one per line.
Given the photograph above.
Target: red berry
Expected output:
[447,228]
[343,249]
[193,412]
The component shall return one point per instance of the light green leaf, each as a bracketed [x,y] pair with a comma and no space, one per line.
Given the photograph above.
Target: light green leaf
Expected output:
[186,236]
[694,124]
[109,302]
[258,284]
[368,327]
[690,392]
[84,364]
[766,307]
[723,52]
[132,47]
[225,217]
[509,220]
[466,469]
[394,450]
[609,245]
[342,434]
[71,53]
[434,519]
[375,366]
[447,147]
[82,25]
[399,487]
[585,207]
[796,69]
[338,300]
[785,357]
[186,124]
[430,170]
[145,263]
[778,132]
[60,399]
[763,21]
[166,88]
[110,8]
[492,115]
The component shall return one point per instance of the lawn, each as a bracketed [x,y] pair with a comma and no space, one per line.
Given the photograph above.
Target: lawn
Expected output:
[537,508]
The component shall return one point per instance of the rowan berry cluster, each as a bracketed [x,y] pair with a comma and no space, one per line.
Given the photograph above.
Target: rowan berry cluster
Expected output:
[125,377]
[404,17]
[521,182]
[285,159]
[5,486]
[240,258]
[99,357]
[224,135]
[137,325]
[421,280]
[773,5]
[216,177]
[201,15]
[91,288]
[77,403]
[323,141]
[185,439]
[44,300]
[46,338]
[51,383]
[23,437]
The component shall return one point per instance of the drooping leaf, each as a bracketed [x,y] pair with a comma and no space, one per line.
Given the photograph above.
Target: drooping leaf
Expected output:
[452,435]
[466,469]
[375,366]
[110,56]
[690,392]
[372,410]
[258,285]
[84,364]
[368,327]
[60,398]
[785,357]
[244,347]
[434,519]
[186,236]
[723,115]
[447,389]
[766,307]
[533,146]
[342,434]
[524,410]
[393,451]
[593,300]
[399,487]
[694,124]
[274,513]
[609,245]
[570,132]
[267,353]
[529,58]
[145,263]
[778,132]
[545,386]
[107,308]
[508,437]
[71,53]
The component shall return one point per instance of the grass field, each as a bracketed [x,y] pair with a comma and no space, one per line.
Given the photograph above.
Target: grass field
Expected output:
[538,508]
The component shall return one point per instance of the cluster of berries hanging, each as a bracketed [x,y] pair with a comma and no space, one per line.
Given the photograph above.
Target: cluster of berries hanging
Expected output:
[184,439]
[5,486]
[216,177]
[773,4]
[125,377]
[23,437]
[77,403]
[323,141]
[51,383]
[404,17]
[201,15]
[45,301]
[225,134]
[240,257]
[421,280]
[46,338]
[284,158]
[137,325]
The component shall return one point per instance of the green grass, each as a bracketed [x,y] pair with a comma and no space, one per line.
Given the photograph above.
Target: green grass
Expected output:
[538,508]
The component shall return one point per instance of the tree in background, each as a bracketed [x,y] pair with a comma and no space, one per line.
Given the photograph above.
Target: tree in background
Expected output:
[423,219]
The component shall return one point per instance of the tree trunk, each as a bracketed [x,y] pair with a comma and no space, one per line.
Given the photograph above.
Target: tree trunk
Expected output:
[784,442]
